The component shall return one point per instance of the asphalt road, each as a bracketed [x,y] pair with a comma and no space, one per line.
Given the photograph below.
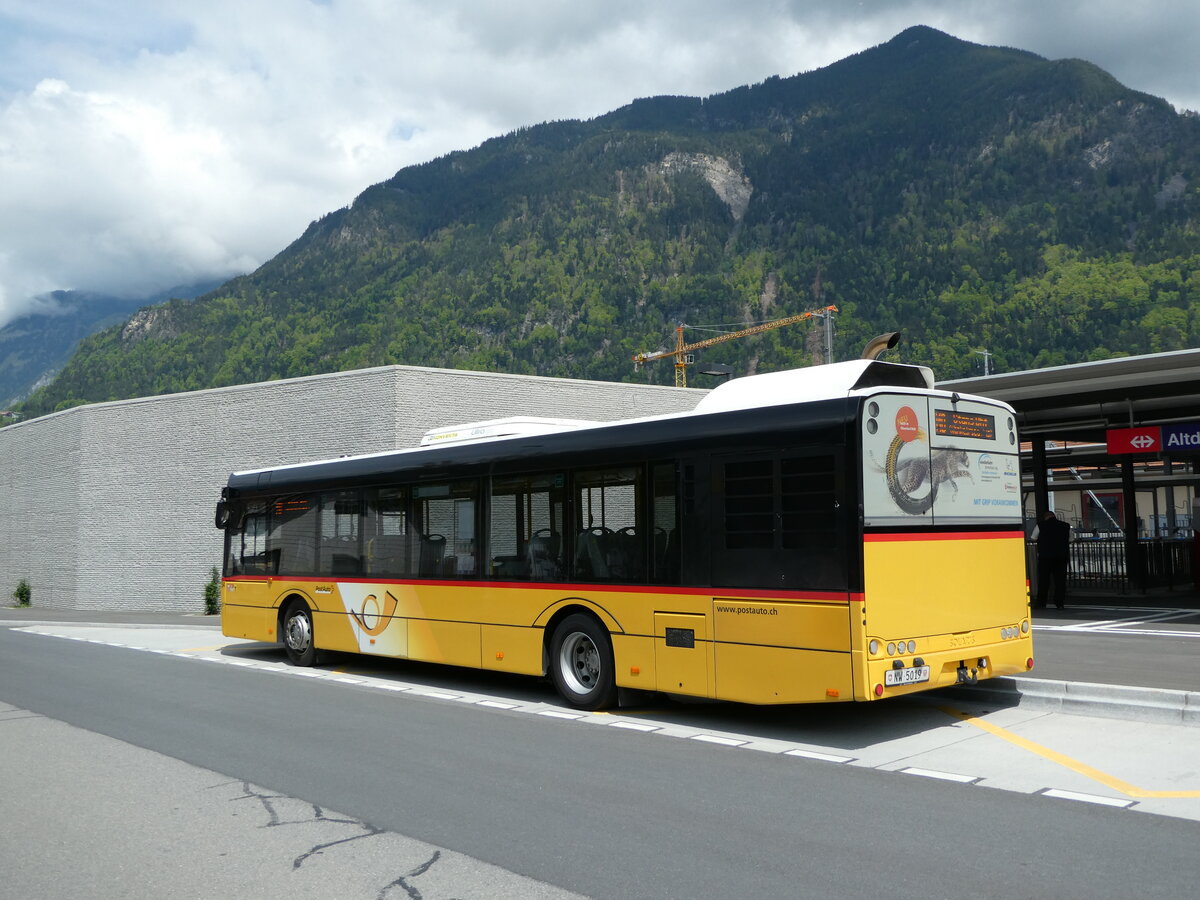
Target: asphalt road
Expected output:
[1112,644]
[600,812]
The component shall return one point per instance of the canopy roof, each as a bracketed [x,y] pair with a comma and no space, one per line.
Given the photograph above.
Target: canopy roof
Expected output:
[1080,402]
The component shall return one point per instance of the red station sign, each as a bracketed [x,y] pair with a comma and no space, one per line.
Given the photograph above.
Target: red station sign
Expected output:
[1147,439]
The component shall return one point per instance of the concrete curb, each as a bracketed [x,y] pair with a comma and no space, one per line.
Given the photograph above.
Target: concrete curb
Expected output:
[1082,698]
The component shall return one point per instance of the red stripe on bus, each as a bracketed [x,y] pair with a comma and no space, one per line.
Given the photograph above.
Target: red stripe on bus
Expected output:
[579,588]
[944,536]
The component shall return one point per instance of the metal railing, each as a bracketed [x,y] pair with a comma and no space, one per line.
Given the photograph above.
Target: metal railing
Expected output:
[1099,564]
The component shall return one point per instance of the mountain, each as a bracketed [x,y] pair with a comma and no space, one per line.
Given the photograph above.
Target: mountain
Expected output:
[972,197]
[35,347]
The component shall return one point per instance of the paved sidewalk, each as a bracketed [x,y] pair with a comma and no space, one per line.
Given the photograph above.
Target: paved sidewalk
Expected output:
[90,816]
[11,615]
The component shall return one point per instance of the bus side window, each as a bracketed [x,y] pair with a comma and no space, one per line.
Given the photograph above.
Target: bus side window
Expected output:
[525,538]
[444,517]
[248,545]
[388,538]
[666,525]
[611,537]
[340,552]
[292,539]
[779,514]
[811,519]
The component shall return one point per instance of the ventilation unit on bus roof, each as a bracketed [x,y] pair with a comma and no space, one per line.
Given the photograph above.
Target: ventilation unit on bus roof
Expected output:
[814,383]
[492,429]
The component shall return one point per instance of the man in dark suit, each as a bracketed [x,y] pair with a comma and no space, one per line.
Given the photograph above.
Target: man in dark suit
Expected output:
[1054,556]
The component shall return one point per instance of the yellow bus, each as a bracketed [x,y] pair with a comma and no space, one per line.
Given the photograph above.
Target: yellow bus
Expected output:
[842,532]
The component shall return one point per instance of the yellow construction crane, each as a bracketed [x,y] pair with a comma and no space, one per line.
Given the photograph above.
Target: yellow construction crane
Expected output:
[682,351]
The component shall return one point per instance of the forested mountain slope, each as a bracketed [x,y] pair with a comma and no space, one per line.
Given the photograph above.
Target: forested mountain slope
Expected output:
[972,197]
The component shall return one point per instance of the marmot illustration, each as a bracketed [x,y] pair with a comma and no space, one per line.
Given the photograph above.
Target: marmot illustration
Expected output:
[905,477]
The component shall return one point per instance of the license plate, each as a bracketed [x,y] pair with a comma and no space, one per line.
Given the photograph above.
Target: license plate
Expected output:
[913,675]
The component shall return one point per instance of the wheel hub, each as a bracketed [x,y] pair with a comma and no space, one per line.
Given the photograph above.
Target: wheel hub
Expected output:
[298,633]
[581,662]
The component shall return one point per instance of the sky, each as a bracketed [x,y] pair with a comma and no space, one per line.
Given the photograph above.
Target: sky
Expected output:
[146,144]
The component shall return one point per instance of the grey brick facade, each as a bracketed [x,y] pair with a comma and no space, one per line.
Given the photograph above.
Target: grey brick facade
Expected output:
[109,506]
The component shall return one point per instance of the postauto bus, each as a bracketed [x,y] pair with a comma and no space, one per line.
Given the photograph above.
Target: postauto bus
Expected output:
[835,533]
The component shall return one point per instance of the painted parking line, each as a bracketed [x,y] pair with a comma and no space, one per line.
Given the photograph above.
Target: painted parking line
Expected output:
[1129,621]
[1080,768]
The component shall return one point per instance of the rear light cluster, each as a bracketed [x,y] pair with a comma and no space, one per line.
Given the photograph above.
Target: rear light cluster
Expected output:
[893,647]
[1014,631]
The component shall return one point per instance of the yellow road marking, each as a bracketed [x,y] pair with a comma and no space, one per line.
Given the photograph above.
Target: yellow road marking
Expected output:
[1074,765]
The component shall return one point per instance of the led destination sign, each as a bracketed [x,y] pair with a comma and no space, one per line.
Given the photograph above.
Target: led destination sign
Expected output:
[955,424]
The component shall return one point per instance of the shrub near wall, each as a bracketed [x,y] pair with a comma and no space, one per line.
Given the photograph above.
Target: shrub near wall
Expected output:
[24,593]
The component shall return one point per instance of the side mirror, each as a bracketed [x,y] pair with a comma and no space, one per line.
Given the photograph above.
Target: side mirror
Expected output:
[226,515]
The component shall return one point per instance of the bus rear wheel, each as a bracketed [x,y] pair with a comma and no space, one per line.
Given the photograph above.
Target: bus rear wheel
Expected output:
[297,633]
[581,663]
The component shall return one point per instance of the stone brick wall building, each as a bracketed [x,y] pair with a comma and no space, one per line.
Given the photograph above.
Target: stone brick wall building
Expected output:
[110,506]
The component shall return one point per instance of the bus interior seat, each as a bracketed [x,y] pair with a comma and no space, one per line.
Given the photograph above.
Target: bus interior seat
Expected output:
[387,554]
[629,554]
[590,558]
[433,549]
[542,555]
[667,565]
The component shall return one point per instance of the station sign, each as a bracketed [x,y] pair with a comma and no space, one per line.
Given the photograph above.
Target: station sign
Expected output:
[1183,438]
[1147,439]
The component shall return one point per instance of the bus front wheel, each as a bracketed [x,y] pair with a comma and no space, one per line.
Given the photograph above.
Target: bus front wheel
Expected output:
[581,663]
[297,633]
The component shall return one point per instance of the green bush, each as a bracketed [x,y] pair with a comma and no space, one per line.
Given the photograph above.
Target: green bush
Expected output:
[212,594]
[24,593]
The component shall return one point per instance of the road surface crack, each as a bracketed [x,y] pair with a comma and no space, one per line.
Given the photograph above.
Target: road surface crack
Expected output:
[250,792]
[402,882]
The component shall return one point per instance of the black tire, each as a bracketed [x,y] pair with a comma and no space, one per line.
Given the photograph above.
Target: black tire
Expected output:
[581,663]
[296,631]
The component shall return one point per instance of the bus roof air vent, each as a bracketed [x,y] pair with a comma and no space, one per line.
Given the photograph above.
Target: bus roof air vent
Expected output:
[814,383]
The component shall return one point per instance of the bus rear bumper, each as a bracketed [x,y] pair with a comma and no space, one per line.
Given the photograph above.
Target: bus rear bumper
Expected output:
[948,668]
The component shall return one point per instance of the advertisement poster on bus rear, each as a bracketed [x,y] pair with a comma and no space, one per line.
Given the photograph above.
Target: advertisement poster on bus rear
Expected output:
[934,461]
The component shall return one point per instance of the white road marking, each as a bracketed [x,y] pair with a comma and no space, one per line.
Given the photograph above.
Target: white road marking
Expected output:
[1088,798]
[824,757]
[634,726]
[941,776]
[715,739]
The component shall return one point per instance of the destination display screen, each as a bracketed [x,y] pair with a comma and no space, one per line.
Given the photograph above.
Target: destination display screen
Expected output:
[955,424]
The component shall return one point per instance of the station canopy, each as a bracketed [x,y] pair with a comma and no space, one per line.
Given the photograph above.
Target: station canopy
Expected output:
[1080,403]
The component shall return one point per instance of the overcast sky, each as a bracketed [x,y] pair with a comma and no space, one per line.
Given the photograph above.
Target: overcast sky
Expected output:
[150,143]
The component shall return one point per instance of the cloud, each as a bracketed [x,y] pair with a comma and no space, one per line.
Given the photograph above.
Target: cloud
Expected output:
[147,144]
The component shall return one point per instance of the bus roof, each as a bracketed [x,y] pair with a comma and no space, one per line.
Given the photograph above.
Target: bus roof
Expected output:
[811,394]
